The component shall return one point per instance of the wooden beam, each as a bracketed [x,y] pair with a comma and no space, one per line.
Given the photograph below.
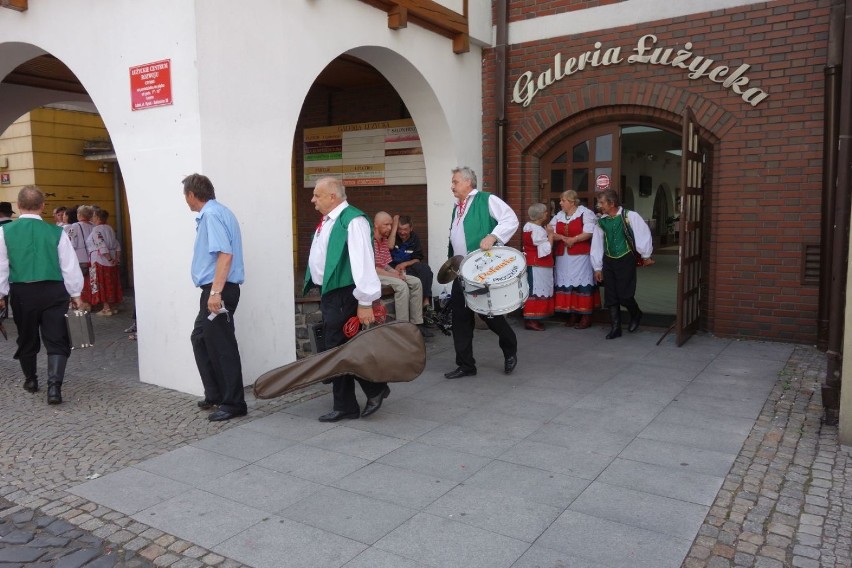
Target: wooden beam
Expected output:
[430,15]
[19,5]
[434,13]
[397,18]
[461,43]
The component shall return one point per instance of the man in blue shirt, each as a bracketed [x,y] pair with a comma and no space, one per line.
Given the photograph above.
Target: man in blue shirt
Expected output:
[217,268]
[407,255]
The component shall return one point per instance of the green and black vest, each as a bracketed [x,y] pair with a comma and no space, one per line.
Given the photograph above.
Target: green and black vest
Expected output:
[32,247]
[477,223]
[615,240]
[338,267]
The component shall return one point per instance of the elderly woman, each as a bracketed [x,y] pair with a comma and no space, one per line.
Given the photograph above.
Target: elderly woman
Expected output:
[537,248]
[577,293]
[104,277]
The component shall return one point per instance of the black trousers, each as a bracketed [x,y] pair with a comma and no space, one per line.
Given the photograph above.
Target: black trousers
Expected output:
[464,324]
[337,306]
[217,354]
[619,280]
[40,308]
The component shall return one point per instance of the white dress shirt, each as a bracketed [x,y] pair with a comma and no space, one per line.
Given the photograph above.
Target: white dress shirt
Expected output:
[360,242]
[507,223]
[68,263]
[641,234]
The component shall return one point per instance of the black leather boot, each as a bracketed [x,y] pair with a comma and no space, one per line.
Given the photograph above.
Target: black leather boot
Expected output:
[635,315]
[615,322]
[28,366]
[55,375]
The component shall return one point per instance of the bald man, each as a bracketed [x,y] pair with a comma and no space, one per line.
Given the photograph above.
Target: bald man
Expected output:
[407,290]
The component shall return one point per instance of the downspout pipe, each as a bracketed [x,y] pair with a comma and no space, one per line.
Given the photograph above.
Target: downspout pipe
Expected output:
[840,236]
[502,39]
[829,166]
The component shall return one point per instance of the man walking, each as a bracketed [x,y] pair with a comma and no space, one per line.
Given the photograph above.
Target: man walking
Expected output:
[38,264]
[480,220]
[217,268]
[618,234]
[341,263]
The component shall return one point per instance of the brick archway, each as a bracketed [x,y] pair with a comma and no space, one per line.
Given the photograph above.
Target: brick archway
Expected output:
[652,103]
[556,117]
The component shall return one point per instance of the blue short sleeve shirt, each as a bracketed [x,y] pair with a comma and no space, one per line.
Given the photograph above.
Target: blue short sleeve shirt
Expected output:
[217,230]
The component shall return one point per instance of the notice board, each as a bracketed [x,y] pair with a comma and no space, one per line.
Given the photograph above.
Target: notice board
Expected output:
[385,152]
[151,85]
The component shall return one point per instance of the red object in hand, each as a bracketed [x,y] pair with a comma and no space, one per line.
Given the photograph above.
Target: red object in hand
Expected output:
[353,325]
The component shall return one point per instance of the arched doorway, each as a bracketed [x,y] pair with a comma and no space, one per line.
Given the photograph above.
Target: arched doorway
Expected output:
[642,162]
[59,142]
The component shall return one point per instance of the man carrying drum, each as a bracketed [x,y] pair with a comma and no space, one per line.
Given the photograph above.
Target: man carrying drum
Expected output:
[480,220]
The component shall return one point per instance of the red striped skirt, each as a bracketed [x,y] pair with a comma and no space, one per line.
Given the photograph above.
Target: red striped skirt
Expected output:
[105,284]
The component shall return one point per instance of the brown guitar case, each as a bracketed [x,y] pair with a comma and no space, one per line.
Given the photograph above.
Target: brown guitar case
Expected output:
[389,353]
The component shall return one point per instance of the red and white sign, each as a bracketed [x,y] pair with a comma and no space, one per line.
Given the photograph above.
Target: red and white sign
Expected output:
[5,179]
[602,182]
[151,85]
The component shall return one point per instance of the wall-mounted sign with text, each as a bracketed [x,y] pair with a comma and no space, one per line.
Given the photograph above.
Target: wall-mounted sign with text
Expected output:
[387,152]
[5,178]
[151,85]
[646,51]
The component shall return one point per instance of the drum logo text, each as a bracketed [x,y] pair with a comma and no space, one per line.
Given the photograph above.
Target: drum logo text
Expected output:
[494,269]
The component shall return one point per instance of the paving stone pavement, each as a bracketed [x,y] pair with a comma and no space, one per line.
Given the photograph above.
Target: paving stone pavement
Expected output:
[785,501]
[108,421]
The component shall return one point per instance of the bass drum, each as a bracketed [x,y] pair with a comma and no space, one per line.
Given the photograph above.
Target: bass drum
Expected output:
[494,281]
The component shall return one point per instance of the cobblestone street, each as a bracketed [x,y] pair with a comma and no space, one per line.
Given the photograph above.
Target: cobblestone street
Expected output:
[109,420]
[785,502]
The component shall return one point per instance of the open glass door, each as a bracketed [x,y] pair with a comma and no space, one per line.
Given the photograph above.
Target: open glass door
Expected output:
[689,254]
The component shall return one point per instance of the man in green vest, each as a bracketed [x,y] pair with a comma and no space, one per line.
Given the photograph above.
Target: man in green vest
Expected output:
[618,235]
[341,264]
[39,266]
[480,220]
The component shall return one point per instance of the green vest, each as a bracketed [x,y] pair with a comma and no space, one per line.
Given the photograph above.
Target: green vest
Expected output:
[32,247]
[615,241]
[338,267]
[477,223]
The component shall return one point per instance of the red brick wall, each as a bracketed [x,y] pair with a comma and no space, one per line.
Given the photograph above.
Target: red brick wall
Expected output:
[323,107]
[526,9]
[766,162]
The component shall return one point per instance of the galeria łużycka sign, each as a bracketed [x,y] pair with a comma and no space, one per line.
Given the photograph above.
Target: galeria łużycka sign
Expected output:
[646,51]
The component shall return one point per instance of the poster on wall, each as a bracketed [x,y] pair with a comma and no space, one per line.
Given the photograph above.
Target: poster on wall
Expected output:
[151,85]
[386,152]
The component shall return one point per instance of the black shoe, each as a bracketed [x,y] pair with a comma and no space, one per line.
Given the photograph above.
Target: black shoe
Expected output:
[510,364]
[31,385]
[635,319]
[54,394]
[205,404]
[425,332]
[373,404]
[459,373]
[614,322]
[221,415]
[336,415]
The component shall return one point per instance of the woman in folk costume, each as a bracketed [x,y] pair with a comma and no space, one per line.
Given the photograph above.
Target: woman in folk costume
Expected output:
[537,250]
[577,294]
[103,265]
